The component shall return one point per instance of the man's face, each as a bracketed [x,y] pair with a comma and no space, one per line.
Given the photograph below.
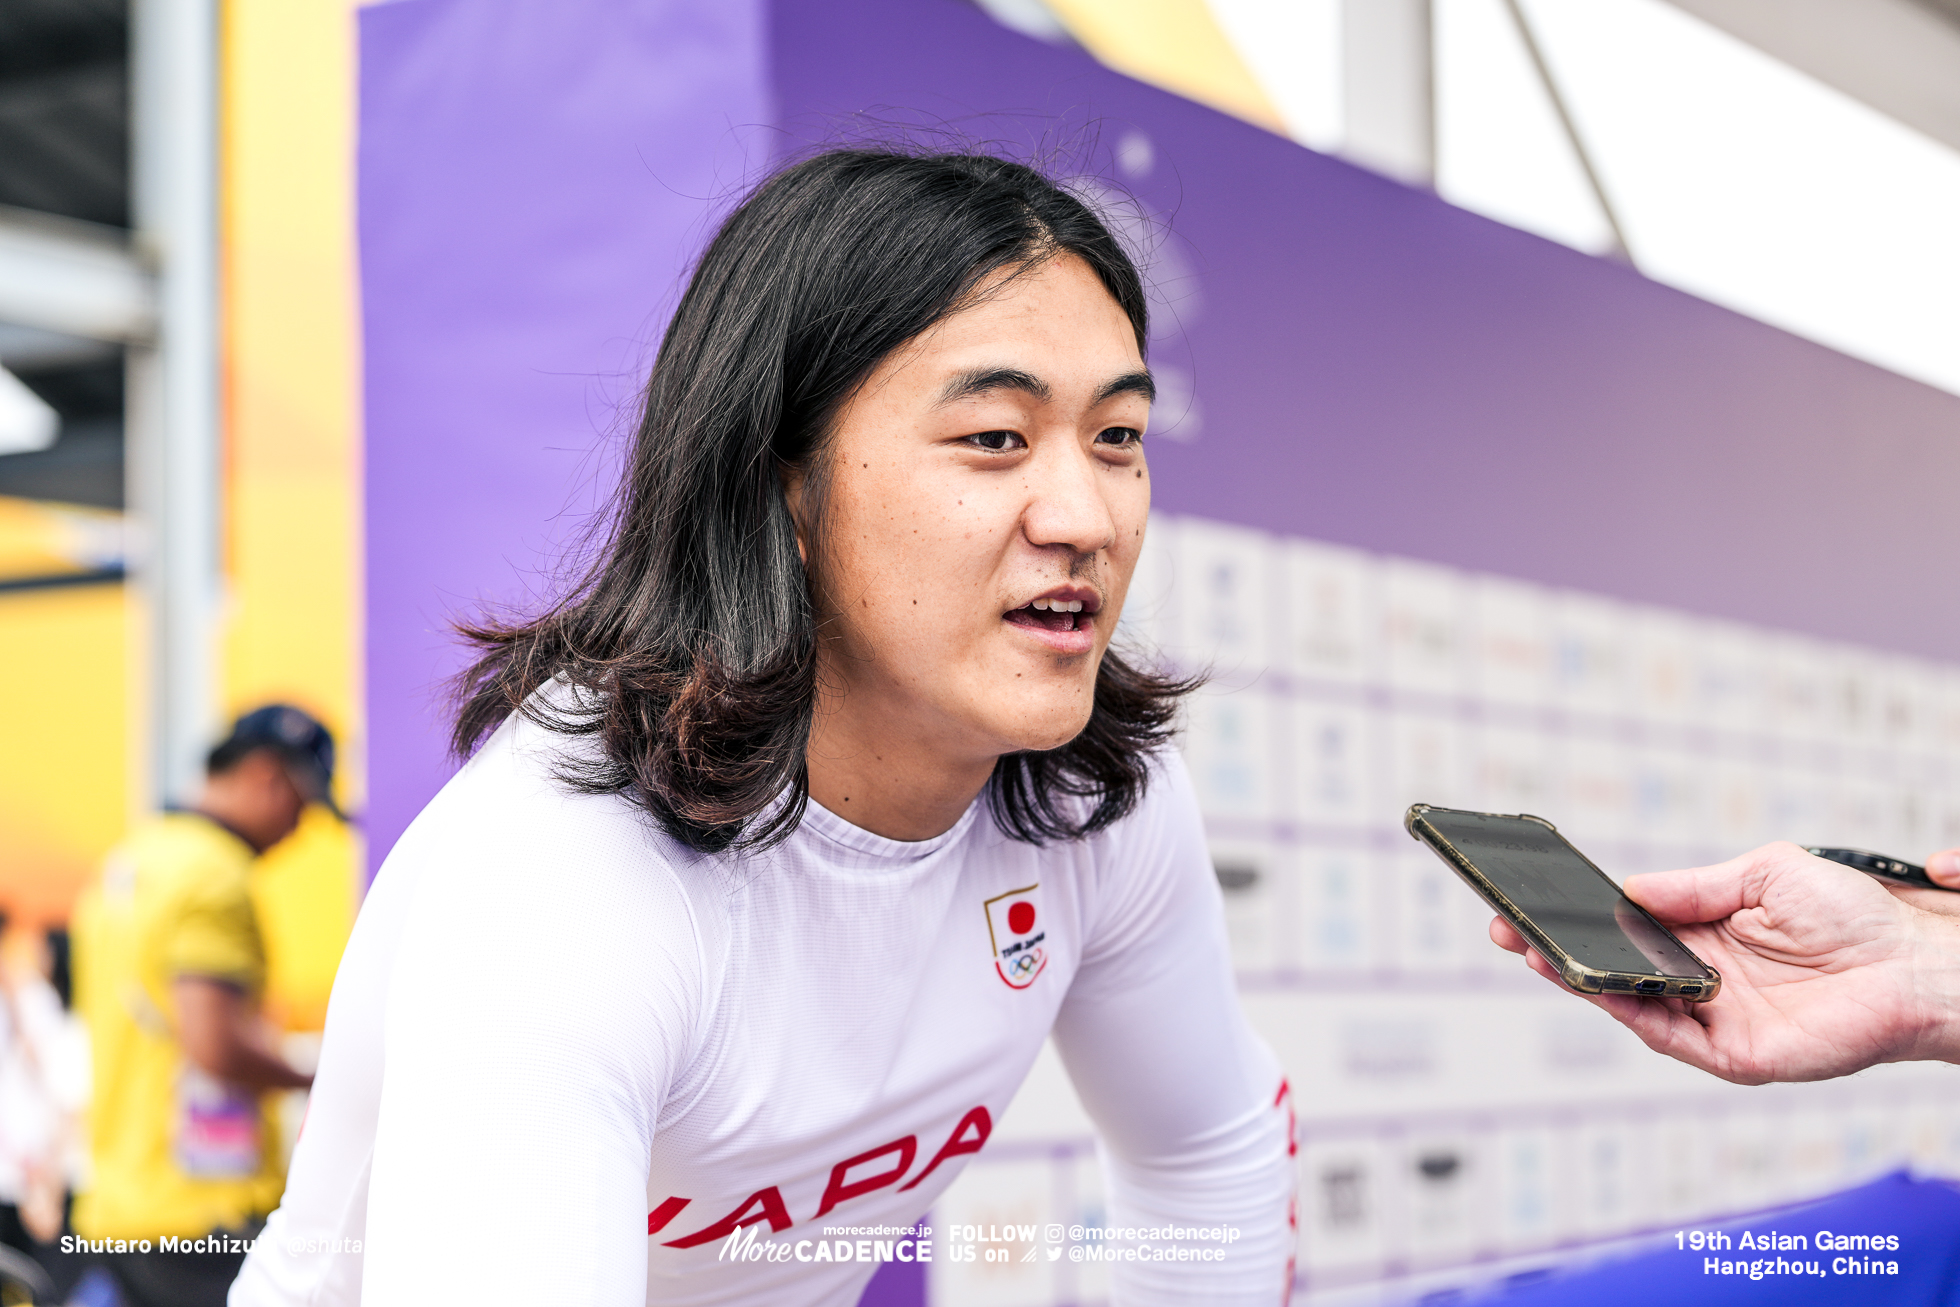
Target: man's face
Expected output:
[986,503]
[267,804]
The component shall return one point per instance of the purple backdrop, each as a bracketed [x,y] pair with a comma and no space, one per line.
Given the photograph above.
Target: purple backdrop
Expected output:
[1378,368]
[1371,366]
[534,177]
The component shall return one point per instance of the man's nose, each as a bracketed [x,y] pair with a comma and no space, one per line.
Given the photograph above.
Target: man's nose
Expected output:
[1066,503]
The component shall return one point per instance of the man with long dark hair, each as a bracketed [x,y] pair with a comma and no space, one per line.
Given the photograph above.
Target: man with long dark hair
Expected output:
[789,835]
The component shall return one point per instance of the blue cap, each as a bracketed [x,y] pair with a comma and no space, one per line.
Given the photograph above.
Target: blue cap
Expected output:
[302,743]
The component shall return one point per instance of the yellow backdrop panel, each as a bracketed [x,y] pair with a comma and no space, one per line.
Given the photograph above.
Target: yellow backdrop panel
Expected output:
[1175,44]
[292,545]
[64,767]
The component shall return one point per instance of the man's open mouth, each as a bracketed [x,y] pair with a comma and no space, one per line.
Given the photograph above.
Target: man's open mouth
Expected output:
[1054,614]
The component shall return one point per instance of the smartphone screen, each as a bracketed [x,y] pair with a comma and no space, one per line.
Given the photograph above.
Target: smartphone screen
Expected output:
[1583,912]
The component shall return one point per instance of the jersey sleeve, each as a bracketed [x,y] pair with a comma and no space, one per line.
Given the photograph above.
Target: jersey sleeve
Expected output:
[212,934]
[1191,1106]
[548,984]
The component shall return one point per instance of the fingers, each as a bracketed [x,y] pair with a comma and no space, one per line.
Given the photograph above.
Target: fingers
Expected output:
[1944,868]
[1532,957]
[1672,1026]
[1669,1026]
[1505,936]
[1627,1010]
[1698,893]
[1536,961]
[1718,892]
[1675,1029]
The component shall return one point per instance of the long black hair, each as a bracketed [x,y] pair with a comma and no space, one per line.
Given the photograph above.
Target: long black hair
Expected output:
[689,647]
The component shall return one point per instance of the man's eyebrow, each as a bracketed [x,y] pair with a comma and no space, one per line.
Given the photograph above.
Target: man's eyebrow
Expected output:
[980,381]
[1130,383]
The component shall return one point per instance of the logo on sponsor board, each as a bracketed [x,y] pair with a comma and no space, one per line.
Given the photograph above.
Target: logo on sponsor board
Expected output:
[1015,928]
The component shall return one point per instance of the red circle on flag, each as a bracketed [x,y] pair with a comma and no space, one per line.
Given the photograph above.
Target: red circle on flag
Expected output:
[1020,917]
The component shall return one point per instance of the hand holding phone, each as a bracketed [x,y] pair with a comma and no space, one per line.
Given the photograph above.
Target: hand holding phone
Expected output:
[1598,939]
[1823,974]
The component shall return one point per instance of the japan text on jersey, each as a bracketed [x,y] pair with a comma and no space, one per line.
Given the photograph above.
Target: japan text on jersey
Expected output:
[1016,931]
[853,1177]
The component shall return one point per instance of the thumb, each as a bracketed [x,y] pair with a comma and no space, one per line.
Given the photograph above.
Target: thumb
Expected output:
[1707,893]
[1944,868]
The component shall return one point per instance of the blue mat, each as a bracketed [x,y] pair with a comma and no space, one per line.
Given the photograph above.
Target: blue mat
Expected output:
[1923,1216]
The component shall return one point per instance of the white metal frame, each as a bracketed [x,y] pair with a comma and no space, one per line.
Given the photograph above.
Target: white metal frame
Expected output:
[158,296]
[173,393]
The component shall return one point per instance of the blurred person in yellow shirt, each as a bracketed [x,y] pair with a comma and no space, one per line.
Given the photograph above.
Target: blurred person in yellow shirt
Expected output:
[170,969]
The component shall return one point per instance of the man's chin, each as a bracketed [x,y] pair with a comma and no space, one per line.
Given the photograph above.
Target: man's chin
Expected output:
[1030,740]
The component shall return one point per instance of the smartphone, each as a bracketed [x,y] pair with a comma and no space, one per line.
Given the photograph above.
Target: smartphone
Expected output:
[1601,941]
[1877,864]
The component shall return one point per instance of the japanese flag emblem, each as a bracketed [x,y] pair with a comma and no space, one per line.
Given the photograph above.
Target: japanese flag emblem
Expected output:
[1015,927]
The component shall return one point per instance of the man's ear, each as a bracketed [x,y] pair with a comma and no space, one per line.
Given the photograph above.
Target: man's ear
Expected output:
[794,479]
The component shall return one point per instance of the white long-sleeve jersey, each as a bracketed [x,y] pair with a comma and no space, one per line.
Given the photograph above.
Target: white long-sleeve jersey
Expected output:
[568,1056]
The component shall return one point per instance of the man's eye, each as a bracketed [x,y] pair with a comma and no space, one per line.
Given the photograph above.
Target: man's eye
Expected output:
[996,440]
[1119,436]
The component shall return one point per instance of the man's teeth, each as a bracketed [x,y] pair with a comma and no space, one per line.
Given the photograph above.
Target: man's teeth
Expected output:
[1057,605]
